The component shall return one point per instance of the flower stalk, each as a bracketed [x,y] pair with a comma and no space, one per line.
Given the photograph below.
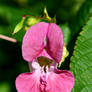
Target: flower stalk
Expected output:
[8,38]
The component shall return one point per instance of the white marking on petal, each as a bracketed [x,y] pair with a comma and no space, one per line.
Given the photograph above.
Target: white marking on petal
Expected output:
[47,72]
[36,65]
[42,70]
[45,41]
[47,68]
[52,68]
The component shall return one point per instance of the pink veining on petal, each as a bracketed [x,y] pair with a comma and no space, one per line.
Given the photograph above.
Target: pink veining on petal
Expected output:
[62,82]
[43,83]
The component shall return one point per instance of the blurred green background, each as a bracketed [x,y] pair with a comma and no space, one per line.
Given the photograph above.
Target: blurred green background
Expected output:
[71,15]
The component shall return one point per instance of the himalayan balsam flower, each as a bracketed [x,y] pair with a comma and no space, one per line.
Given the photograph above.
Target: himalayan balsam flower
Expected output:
[42,47]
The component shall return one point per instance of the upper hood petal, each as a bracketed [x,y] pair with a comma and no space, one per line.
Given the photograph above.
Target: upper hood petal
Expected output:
[33,42]
[55,42]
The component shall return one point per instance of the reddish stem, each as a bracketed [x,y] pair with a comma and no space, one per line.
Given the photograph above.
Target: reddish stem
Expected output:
[8,38]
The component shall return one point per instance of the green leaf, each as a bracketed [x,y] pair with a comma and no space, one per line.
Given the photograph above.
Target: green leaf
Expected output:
[77,23]
[81,64]
[19,26]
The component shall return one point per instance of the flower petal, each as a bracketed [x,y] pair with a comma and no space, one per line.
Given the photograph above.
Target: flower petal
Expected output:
[61,82]
[43,39]
[33,42]
[55,42]
[28,82]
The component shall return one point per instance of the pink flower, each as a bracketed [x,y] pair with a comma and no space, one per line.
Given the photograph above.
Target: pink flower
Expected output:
[43,43]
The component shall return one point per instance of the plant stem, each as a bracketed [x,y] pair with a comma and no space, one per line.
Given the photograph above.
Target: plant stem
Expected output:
[8,38]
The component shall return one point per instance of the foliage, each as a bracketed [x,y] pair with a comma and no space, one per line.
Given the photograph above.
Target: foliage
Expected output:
[74,18]
[81,61]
